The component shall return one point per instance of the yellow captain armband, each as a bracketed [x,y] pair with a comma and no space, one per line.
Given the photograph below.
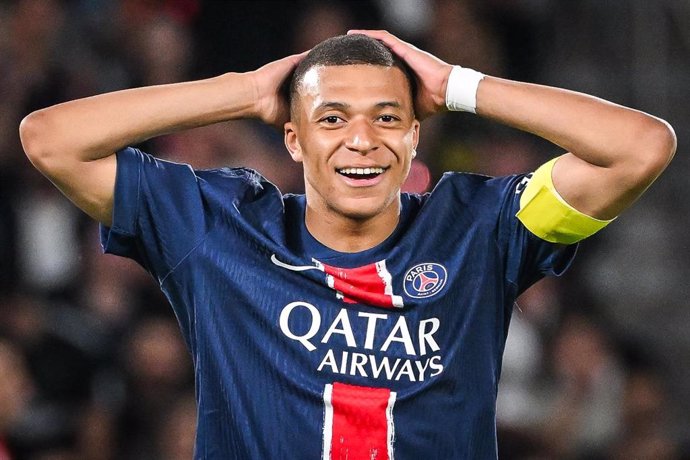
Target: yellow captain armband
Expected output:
[546,214]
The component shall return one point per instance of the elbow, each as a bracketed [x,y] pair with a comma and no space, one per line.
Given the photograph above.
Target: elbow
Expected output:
[37,141]
[31,134]
[670,141]
[663,143]
[656,147]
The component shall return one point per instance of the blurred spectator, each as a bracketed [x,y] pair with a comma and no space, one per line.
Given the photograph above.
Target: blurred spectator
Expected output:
[158,371]
[177,430]
[47,228]
[30,426]
[521,403]
[58,353]
[645,431]
[96,434]
[16,391]
[164,52]
[584,417]
[319,21]
[462,35]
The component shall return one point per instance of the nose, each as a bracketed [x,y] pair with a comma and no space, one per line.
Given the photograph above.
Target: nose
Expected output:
[361,136]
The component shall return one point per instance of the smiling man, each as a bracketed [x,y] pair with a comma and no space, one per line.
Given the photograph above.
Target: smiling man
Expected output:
[354,129]
[354,321]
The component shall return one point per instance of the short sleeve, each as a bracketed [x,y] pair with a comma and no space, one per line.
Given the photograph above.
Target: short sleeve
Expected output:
[528,258]
[158,212]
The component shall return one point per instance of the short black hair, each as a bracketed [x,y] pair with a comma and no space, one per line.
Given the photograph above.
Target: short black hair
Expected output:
[349,50]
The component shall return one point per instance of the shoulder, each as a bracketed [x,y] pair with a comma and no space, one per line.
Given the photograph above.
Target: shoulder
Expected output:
[246,179]
[153,167]
[221,190]
[240,194]
[471,188]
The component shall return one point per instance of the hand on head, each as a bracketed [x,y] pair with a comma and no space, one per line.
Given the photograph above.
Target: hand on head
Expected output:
[431,72]
[272,105]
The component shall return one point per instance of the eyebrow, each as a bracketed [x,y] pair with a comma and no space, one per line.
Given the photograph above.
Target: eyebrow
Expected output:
[333,105]
[343,106]
[394,104]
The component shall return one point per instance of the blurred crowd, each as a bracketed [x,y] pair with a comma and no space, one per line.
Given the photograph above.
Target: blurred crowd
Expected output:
[92,365]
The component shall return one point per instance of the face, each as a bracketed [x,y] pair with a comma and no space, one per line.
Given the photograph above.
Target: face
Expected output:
[354,131]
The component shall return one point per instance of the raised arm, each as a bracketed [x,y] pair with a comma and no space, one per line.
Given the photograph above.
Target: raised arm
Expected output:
[74,143]
[615,153]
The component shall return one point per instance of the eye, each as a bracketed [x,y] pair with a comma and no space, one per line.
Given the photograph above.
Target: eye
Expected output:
[331,119]
[388,118]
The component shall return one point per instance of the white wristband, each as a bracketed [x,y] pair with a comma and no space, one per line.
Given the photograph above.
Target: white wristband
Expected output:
[461,92]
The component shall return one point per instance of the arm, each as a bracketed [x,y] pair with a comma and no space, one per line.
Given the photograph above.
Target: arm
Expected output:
[74,143]
[615,153]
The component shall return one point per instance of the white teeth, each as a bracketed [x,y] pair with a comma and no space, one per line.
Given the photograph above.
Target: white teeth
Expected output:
[361,171]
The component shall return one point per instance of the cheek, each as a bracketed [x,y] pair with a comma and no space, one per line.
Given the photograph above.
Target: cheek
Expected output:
[316,153]
[316,172]
[410,138]
[403,145]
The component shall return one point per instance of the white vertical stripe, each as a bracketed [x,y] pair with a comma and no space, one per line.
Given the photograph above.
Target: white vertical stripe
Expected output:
[385,276]
[391,425]
[397,301]
[387,279]
[327,421]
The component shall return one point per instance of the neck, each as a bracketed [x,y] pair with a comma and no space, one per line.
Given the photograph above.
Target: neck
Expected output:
[348,234]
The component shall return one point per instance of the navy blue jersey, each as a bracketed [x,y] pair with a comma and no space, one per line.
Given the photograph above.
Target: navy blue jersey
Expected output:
[303,352]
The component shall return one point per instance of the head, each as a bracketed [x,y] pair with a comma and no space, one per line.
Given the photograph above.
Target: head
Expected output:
[352,126]
[346,50]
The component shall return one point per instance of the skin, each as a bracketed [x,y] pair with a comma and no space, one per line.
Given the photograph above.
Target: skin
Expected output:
[356,116]
[74,143]
[614,153]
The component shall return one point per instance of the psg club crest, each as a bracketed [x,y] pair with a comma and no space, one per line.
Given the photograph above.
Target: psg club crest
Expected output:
[425,280]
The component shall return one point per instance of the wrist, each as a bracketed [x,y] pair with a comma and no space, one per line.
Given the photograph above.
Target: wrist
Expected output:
[251,88]
[461,89]
[265,101]
[236,94]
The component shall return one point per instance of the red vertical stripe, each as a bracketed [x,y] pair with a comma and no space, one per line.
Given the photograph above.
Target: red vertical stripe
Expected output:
[370,284]
[361,425]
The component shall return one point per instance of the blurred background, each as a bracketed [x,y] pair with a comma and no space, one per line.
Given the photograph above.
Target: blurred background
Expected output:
[92,365]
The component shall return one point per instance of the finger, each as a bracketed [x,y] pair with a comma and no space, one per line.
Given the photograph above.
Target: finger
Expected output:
[383,35]
[396,45]
[295,59]
[380,34]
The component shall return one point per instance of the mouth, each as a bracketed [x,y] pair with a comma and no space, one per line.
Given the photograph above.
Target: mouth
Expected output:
[361,173]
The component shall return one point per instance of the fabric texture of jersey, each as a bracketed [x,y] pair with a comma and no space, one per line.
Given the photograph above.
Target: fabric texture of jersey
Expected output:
[303,352]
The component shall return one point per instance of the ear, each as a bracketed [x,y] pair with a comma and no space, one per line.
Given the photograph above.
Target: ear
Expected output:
[292,142]
[415,133]
[415,137]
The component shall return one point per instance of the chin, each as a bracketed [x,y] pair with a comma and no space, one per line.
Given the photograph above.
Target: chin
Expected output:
[364,209]
[360,215]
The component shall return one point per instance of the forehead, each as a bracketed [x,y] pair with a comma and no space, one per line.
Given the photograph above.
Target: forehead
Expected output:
[359,83]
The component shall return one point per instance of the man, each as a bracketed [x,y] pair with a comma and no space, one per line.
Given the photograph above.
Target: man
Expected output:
[352,322]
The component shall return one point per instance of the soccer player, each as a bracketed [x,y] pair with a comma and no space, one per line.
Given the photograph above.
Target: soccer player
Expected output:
[354,321]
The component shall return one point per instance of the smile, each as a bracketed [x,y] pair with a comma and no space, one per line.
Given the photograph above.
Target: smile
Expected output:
[361,173]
